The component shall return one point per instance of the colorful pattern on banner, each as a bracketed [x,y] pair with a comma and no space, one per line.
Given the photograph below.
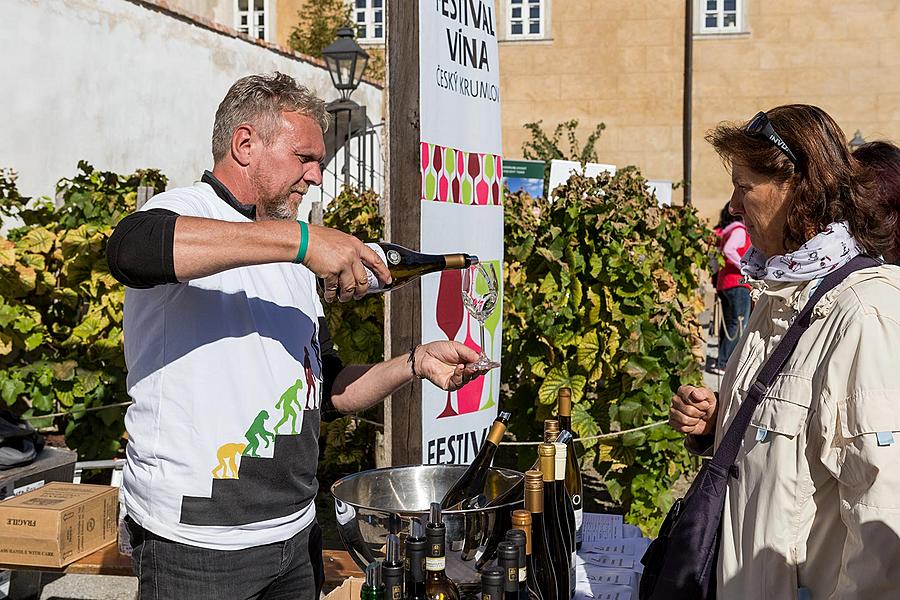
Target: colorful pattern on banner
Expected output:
[452,175]
[461,201]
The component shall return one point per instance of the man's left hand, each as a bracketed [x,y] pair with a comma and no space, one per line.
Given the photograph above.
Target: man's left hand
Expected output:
[445,363]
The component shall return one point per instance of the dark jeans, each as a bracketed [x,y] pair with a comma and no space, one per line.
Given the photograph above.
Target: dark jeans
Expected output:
[735,316]
[168,570]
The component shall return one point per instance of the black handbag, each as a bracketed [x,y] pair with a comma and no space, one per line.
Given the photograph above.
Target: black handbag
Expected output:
[680,564]
[19,442]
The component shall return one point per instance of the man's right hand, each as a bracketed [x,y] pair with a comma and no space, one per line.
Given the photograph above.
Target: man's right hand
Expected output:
[693,410]
[338,258]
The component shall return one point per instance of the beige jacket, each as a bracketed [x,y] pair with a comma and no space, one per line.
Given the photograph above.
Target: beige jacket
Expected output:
[816,501]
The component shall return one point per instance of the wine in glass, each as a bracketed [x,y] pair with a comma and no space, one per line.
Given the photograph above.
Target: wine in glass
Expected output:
[479,294]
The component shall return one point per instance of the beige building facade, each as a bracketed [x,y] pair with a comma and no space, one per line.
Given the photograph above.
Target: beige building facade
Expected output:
[621,62]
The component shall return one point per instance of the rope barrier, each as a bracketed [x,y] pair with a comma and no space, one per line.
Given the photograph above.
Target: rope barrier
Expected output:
[130,402]
[75,410]
[602,436]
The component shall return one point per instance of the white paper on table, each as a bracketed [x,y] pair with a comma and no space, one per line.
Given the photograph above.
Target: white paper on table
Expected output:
[607,560]
[634,547]
[609,576]
[610,548]
[599,526]
[605,592]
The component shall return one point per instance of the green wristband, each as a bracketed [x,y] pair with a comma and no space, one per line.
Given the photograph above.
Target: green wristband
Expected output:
[304,242]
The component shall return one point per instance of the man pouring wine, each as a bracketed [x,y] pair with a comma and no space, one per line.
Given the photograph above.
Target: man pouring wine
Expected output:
[222,316]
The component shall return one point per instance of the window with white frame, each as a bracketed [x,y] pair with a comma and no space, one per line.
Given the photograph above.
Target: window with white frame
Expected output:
[252,18]
[369,19]
[721,16]
[526,18]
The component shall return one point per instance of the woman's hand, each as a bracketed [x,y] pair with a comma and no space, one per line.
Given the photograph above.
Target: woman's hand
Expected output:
[693,410]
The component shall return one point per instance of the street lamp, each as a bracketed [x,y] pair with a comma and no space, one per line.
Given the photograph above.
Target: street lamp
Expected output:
[346,62]
[857,141]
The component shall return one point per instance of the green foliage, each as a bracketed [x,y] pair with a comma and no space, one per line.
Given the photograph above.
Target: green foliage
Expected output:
[61,310]
[357,329]
[545,147]
[602,297]
[317,24]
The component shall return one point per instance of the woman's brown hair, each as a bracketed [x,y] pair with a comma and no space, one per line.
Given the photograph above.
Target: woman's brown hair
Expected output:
[827,185]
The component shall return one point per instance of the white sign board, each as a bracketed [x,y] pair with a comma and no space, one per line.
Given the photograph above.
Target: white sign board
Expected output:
[561,170]
[662,189]
[461,193]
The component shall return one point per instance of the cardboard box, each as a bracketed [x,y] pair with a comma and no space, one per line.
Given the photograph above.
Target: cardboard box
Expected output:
[57,524]
[51,464]
[349,590]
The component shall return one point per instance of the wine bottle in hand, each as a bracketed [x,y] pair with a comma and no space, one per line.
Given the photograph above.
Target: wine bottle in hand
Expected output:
[408,265]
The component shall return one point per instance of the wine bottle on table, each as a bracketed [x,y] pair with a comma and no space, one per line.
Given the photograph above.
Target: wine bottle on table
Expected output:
[372,589]
[573,471]
[492,584]
[556,524]
[521,520]
[517,537]
[437,585]
[392,569]
[564,502]
[508,560]
[408,265]
[542,559]
[416,548]
[469,488]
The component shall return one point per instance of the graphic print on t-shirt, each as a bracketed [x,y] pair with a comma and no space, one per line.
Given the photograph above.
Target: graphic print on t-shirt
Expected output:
[286,405]
[241,474]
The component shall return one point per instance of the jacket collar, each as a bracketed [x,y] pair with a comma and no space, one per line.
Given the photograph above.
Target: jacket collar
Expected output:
[247,210]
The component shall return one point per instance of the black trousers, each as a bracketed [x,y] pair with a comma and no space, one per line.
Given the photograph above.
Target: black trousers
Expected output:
[168,570]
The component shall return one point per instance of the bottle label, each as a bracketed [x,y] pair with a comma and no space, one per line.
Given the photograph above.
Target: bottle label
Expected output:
[579,519]
[396,592]
[523,574]
[435,563]
[374,284]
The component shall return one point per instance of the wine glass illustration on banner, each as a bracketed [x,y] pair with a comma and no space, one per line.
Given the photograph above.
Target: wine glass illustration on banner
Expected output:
[449,311]
[480,289]
[491,323]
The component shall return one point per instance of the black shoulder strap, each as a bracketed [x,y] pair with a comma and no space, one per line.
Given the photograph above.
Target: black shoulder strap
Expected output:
[727,451]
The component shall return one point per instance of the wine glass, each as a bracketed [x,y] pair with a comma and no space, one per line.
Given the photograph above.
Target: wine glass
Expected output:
[479,294]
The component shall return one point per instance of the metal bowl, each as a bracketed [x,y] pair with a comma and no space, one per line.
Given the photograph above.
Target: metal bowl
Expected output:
[371,504]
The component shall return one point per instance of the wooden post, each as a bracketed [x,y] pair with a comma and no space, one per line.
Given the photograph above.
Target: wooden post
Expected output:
[403,327]
[687,104]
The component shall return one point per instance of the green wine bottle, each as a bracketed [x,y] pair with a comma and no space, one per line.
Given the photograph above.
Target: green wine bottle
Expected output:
[408,265]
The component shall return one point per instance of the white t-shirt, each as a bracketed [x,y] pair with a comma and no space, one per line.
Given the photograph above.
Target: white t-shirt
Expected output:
[225,374]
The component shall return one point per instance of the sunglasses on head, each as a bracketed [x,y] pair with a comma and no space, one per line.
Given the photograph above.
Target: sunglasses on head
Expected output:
[760,126]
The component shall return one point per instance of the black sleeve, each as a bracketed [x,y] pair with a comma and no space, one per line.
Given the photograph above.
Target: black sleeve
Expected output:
[331,366]
[140,252]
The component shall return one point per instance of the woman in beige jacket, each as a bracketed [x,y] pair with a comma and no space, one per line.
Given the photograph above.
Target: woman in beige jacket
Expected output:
[813,511]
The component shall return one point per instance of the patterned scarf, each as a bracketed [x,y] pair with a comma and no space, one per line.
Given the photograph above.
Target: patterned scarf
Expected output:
[827,251]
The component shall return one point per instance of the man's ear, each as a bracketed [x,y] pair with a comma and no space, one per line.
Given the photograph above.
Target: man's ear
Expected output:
[243,140]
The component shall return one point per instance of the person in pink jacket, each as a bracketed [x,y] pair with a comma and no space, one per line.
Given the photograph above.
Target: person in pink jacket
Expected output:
[733,293]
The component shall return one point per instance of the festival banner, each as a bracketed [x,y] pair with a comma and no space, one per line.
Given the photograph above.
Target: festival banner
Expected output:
[461,194]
